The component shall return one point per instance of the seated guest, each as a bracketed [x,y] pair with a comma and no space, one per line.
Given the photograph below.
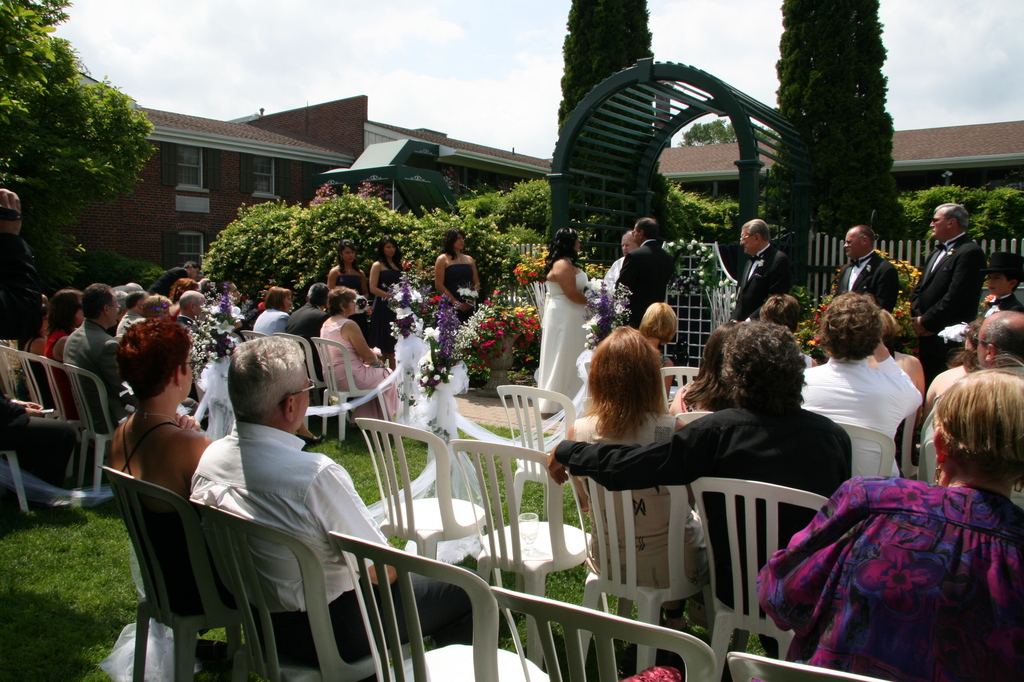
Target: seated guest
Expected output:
[132,312]
[44,446]
[366,367]
[905,580]
[190,307]
[709,392]
[307,320]
[158,445]
[91,348]
[274,318]
[1001,340]
[908,363]
[36,344]
[767,437]
[965,362]
[784,310]
[847,390]
[259,472]
[627,407]
[156,307]
[177,289]
[64,318]
[659,325]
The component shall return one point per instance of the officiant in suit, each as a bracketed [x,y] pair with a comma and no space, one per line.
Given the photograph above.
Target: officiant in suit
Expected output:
[767,271]
[867,272]
[646,270]
[949,290]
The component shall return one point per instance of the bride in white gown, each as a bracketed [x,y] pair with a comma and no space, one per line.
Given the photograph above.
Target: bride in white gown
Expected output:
[562,336]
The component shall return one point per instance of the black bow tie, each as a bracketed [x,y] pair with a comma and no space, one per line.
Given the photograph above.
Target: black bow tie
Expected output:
[857,262]
[758,259]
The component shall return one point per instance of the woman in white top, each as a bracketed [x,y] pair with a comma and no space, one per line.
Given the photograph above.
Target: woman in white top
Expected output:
[562,337]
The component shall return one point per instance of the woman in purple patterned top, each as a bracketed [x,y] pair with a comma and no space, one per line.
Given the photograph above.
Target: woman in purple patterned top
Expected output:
[903,580]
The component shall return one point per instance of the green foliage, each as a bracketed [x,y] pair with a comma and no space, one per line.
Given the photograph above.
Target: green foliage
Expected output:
[833,92]
[714,132]
[995,214]
[110,268]
[527,206]
[25,26]
[70,145]
[605,36]
[689,215]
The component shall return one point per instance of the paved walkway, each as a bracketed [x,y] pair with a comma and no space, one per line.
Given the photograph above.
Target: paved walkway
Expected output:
[476,408]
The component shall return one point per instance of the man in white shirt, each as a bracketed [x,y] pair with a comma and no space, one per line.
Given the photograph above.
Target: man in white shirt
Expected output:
[847,390]
[260,472]
[628,244]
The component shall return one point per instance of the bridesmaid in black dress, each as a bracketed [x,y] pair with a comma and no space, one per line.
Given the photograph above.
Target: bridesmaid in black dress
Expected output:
[384,273]
[454,270]
[347,274]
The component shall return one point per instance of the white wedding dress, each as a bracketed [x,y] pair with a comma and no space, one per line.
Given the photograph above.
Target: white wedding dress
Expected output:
[562,340]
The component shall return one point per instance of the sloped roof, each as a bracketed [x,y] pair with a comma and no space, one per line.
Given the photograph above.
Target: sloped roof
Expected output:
[443,139]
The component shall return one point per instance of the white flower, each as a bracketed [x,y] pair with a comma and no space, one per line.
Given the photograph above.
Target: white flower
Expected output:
[437,377]
[467,292]
[403,312]
[431,333]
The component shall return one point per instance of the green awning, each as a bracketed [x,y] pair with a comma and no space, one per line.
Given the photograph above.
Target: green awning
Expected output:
[419,189]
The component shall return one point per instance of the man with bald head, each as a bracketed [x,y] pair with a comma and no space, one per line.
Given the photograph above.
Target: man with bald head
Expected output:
[867,272]
[190,307]
[1001,340]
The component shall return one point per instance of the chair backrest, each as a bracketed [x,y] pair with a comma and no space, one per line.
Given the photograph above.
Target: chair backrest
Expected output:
[90,399]
[394,482]
[7,362]
[230,537]
[606,629]
[867,444]
[62,403]
[612,529]
[36,393]
[381,619]
[129,493]
[249,335]
[690,417]
[522,410]
[325,347]
[307,348]
[745,564]
[495,473]
[748,667]
[682,376]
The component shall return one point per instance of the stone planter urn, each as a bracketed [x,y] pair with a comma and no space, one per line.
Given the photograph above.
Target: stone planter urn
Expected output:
[499,367]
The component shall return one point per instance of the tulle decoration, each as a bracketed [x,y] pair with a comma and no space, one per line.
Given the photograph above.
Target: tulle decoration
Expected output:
[214,383]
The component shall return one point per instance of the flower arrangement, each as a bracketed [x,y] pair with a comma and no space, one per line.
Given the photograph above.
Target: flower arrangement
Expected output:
[408,300]
[436,365]
[606,310]
[530,269]
[213,338]
[697,269]
[483,336]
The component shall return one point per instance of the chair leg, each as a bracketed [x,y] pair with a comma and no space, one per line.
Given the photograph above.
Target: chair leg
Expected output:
[240,666]
[81,459]
[100,454]
[19,485]
[535,584]
[648,611]
[141,643]
[184,654]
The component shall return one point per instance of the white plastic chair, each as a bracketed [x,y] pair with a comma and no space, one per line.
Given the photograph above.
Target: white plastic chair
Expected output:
[32,384]
[428,520]
[682,376]
[690,417]
[84,384]
[19,485]
[7,373]
[745,614]
[154,603]
[866,445]
[558,546]
[484,658]
[612,529]
[307,348]
[522,410]
[61,408]
[231,538]
[748,667]
[249,335]
[325,347]
[906,449]
[580,624]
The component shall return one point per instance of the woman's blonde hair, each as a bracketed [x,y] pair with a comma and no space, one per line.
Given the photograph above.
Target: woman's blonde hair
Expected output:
[275,298]
[659,322]
[982,422]
[625,383]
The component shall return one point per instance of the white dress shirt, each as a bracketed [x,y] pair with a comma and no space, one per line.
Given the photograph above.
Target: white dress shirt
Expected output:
[851,392]
[611,277]
[261,473]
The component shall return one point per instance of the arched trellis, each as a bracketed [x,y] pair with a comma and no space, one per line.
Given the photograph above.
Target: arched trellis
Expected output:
[608,149]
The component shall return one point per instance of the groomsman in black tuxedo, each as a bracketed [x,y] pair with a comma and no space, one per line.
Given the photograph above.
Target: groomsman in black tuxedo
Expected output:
[949,289]
[767,271]
[646,270]
[867,272]
[1002,276]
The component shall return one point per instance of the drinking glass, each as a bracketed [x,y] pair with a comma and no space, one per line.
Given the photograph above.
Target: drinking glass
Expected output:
[529,526]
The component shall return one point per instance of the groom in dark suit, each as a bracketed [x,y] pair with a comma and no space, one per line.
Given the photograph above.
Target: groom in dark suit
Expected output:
[767,271]
[646,270]
[867,272]
[949,289]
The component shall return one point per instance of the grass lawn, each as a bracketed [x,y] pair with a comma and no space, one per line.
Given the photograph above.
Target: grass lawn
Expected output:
[66,590]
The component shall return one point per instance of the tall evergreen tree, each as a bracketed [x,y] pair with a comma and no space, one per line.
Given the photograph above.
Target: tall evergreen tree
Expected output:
[605,36]
[832,89]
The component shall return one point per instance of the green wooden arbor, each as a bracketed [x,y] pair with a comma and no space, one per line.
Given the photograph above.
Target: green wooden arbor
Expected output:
[608,149]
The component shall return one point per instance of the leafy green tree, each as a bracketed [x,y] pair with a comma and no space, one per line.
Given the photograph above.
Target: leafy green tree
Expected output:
[833,91]
[605,36]
[24,34]
[715,132]
[68,144]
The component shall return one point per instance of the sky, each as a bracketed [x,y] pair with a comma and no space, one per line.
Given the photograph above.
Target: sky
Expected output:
[488,72]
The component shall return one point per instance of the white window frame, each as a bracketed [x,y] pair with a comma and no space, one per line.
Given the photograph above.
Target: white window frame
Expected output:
[187,254]
[266,178]
[190,167]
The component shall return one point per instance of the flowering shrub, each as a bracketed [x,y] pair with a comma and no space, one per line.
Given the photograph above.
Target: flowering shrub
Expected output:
[530,269]
[606,310]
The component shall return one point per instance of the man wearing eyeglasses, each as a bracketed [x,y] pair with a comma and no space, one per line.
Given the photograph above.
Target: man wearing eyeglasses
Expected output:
[767,271]
[260,472]
[867,272]
[1001,340]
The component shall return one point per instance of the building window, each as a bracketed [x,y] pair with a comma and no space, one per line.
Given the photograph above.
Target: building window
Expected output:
[262,175]
[190,247]
[190,166]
